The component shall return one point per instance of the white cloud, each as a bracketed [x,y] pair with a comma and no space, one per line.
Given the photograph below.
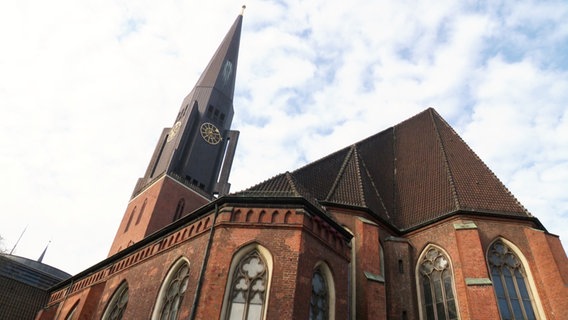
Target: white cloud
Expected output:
[86,87]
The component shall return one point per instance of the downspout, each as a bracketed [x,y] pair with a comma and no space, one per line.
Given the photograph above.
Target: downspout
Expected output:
[203,266]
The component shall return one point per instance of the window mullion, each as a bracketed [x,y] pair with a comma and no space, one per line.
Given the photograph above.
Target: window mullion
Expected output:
[247,299]
[433,293]
[444,297]
[506,291]
[519,296]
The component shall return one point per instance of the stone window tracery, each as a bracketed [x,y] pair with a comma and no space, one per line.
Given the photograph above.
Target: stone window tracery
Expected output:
[172,293]
[436,285]
[319,302]
[248,288]
[117,305]
[509,282]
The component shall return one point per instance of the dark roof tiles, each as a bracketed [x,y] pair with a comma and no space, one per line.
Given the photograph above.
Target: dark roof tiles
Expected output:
[409,175]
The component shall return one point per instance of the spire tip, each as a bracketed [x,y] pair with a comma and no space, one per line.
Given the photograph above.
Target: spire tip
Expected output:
[243,9]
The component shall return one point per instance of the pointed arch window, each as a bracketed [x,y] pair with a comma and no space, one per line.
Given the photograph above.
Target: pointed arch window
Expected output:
[248,286]
[130,219]
[117,305]
[319,300]
[510,283]
[179,209]
[248,289]
[436,285]
[141,211]
[172,292]
[71,313]
[322,301]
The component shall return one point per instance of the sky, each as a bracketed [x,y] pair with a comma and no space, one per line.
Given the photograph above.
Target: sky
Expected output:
[87,86]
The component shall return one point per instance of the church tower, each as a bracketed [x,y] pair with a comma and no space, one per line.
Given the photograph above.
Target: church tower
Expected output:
[192,160]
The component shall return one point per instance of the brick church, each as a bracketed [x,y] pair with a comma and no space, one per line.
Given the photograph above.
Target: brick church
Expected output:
[406,224]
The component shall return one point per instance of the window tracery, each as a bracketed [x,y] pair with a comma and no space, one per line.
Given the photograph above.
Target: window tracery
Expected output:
[117,305]
[248,288]
[173,291]
[509,282]
[319,302]
[436,284]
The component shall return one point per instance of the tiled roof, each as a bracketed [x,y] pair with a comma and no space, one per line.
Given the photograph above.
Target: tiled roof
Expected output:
[283,185]
[409,175]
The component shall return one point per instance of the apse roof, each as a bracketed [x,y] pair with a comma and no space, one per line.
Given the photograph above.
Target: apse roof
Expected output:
[408,175]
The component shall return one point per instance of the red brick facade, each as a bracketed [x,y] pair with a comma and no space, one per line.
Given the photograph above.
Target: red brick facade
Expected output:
[364,219]
[297,241]
[153,209]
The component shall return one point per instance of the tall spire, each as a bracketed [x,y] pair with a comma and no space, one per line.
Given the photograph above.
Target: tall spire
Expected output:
[221,70]
[193,149]
[192,159]
[43,253]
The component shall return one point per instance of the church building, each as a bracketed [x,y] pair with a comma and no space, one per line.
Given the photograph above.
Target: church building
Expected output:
[406,224]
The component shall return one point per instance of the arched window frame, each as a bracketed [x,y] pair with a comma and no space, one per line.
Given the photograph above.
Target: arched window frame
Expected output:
[529,280]
[71,313]
[132,213]
[115,301]
[141,212]
[170,276]
[179,209]
[419,281]
[325,271]
[235,261]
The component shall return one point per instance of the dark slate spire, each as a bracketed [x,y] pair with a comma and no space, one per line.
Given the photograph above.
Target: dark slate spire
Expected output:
[198,149]
[221,70]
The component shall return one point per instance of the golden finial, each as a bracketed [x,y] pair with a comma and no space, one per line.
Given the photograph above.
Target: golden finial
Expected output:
[243,9]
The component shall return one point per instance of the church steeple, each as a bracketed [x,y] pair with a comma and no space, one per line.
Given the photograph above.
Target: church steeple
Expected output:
[193,157]
[220,72]
[193,149]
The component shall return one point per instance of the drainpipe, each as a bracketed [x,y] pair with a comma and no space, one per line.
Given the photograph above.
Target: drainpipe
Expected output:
[203,266]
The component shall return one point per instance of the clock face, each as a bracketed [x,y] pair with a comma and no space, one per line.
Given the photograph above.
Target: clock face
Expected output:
[174,131]
[210,133]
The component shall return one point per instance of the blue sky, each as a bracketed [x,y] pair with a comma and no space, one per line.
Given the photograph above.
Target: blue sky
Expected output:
[87,86]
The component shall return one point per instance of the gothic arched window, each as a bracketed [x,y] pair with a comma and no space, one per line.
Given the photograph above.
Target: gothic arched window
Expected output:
[249,284]
[130,219]
[510,283]
[436,286]
[172,292]
[71,313]
[179,209]
[322,301]
[141,212]
[117,304]
[319,301]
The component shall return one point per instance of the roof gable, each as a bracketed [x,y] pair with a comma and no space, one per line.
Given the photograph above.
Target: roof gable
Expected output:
[409,175]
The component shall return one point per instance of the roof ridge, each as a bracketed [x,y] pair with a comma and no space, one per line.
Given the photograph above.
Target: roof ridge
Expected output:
[374,187]
[358,173]
[340,173]
[259,183]
[291,181]
[446,162]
